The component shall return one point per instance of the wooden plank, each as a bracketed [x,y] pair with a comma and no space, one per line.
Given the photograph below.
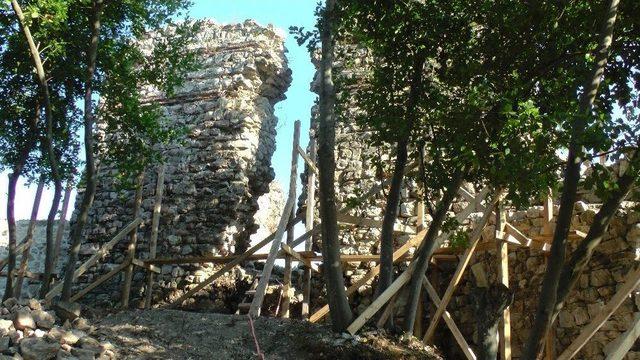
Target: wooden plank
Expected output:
[310,163]
[402,250]
[148,267]
[289,250]
[464,346]
[382,299]
[623,343]
[99,281]
[229,265]
[388,311]
[361,221]
[457,276]
[547,214]
[133,241]
[286,279]
[309,223]
[400,253]
[502,252]
[95,257]
[256,304]
[24,261]
[155,224]
[632,281]
[420,215]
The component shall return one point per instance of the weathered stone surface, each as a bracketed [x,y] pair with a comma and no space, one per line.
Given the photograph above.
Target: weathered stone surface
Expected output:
[23,320]
[38,349]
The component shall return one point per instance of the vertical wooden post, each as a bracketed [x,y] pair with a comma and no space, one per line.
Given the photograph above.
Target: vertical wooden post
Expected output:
[503,277]
[256,304]
[131,250]
[309,219]
[17,290]
[547,214]
[286,287]
[550,343]
[420,215]
[153,240]
[61,225]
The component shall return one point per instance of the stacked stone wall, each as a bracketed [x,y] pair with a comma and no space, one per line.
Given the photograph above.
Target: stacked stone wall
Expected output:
[215,173]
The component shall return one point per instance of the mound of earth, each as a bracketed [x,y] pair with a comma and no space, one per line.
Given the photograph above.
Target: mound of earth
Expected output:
[172,334]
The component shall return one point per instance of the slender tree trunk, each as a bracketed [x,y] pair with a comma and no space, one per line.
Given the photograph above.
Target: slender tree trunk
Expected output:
[87,197]
[11,222]
[341,315]
[28,240]
[426,249]
[393,198]
[581,256]
[53,245]
[548,294]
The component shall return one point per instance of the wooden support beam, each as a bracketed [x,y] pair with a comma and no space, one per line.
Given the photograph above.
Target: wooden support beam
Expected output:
[550,343]
[148,267]
[457,335]
[623,343]
[289,250]
[286,281]
[388,311]
[308,160]
[309,223]
[415,241]
[361,221]
[99,281]
[547,214]
[382,299]
[229,265]
[502,252]
[402,250]
[256,304]
[24,261]
[457,276]
[632,281]
[153,239]
[133,241]
[104,250]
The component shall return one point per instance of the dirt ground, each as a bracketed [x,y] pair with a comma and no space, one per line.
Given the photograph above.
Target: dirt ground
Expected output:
[172,334]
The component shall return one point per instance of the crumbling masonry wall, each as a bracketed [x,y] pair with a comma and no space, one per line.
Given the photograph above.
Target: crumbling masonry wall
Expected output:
[216,173]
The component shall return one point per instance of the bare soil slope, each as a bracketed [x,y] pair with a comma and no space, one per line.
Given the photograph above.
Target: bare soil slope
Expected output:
[172,334]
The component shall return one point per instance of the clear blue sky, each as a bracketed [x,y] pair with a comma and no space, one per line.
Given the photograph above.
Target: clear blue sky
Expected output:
[280,13]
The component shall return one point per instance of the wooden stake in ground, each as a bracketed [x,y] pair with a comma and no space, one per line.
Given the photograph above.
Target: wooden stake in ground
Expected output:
[286,281]
[28,240]
[309,219]
[256,304]
[504,330]
[133,241]
[153,240]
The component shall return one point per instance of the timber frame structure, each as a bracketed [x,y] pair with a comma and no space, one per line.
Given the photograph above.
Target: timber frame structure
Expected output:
[506,235]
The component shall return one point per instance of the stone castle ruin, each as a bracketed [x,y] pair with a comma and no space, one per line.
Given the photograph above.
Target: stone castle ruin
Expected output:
[218,171]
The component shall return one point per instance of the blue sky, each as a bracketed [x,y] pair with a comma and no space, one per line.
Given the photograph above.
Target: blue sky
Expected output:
[280,13]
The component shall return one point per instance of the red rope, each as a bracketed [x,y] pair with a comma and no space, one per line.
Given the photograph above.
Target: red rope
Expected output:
[255,339]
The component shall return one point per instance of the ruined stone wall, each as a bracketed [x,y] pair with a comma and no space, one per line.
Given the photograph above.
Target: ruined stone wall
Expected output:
[611,261]
[216,172]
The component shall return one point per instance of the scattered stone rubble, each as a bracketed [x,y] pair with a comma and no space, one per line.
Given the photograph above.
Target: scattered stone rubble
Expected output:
[30,330]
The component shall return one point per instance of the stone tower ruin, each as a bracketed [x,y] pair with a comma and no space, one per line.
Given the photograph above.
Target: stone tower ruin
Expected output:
[217,172]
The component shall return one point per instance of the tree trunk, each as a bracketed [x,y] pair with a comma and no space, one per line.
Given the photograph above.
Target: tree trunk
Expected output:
[53,245]
[426,249]
[581,256]
[11,223]
[393,198]
[28,240]
[548,294]
[87,197]
[489,304]
[341,315]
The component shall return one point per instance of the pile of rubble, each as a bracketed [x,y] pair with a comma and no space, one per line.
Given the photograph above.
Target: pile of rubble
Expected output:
[31,330]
